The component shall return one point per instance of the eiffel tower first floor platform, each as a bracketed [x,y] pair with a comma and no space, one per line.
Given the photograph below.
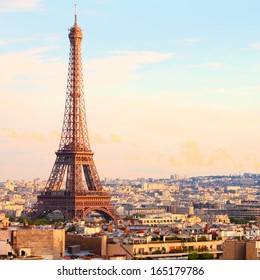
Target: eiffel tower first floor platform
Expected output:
[75,205]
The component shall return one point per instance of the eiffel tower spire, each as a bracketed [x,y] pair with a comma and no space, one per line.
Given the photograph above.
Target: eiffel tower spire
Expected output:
[74,186]
[76,15]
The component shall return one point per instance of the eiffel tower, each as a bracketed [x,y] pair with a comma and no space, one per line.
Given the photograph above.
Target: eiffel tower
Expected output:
[74,187]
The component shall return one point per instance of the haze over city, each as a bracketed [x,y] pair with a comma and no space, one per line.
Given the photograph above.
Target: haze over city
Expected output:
[170,86]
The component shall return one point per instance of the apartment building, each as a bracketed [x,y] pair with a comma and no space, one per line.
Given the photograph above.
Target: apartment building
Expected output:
[167,249]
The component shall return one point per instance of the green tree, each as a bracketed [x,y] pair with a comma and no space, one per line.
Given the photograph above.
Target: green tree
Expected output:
[42,221]
[202,238]
[128,218]
[11,218]
[193,256]
[25,219]
[206,256]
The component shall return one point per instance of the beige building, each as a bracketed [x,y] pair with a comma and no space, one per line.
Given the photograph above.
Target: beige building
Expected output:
[164,249]
[213,219]
[44,243]
[163,219]
[145,211]
[153,186]
[186,209]
[192,220]
[230,233]
[169,219]
[97,245]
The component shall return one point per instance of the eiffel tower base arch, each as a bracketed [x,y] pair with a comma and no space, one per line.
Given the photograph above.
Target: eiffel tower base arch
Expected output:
[78,206]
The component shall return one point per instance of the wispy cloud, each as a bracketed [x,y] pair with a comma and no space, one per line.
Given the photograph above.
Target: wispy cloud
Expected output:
[115,138]
[255,46]
[3,42]
[96,138]
[193,156]
[52,38]
[23,153]
[242,91]
[24,62]
[21,73]
[189,41]
[210,65]
[7,6]
[29,136]
[120,67]
[31,38]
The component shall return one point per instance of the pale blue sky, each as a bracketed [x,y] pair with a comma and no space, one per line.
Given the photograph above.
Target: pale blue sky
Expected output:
[170,86]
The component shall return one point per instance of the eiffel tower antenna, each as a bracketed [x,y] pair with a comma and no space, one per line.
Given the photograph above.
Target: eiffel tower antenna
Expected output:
[75,13]
[74,187]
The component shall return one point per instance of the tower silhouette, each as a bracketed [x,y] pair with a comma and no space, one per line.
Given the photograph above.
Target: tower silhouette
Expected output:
[74,187]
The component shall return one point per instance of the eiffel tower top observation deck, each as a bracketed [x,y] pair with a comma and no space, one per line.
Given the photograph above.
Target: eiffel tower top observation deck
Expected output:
[74,186]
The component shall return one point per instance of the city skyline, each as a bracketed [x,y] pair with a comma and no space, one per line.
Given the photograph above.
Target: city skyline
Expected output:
[170,88]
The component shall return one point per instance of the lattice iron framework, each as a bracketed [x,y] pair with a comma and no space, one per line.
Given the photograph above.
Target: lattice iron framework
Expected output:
[74,164]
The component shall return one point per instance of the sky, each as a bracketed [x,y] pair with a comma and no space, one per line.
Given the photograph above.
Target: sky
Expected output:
[171,86]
